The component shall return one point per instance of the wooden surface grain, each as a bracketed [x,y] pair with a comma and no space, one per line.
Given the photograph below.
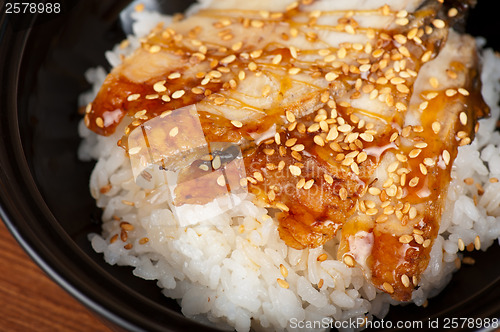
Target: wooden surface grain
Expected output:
[31,301]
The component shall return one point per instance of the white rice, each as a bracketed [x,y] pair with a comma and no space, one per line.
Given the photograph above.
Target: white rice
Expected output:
[225,269]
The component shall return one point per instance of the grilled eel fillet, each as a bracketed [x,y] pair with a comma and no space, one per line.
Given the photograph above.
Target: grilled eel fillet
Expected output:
[347,116]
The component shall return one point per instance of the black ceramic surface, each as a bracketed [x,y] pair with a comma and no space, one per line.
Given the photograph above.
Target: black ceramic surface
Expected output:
[44,187]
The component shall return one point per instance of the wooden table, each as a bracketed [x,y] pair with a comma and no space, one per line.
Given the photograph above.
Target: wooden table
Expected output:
[31,301]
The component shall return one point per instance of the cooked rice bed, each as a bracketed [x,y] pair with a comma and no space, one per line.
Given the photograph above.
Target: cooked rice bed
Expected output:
[223,258]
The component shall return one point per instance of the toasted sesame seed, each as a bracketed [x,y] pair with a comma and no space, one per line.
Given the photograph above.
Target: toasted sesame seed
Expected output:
[388,288]
[126,226]
[165,114]
[423,169]
[450,92]
[237,46]
[406,131]
[290,142]
[480,189]
[251,180]
[159,86]
[405,280]
[252,66]
[343,193]
[283,270]
[436,127]
[173,76]
[402,88]
[366,137]
[397,80]
[348,260]
[295,170]
[282,207]
[405,238]
[105,189]
[355,168]
[414,181]
[321,258]
[290,116]
[438,23]
[277,59]
[381,218]
[433,81]
[154,49]
[461,244]
[221,181]
[362,156]
[468,261]
[178,94]
[282,283]
[330,58]
[123,235]
[371,212]
[277,138]
[426,56]
[477,242]
[463,118]
[271,195]
[298,147]
[374,191]
[99,122]
[152,96]
[258,176]
[331,76]
[452,12]
[324,126]
[294,71]
[328,178]
[393,167]
[429,162]
[401,106]
[228,59]
[412,213]
[173,132]
[236,123]
[446,157]
[308,184]
[266,90]
[414,280]
[463,91]
[414,153]
[318,140]
[133,97]
[418,238]
[300,183]
[216,163]
[313,128]
[134,150]
[345,128]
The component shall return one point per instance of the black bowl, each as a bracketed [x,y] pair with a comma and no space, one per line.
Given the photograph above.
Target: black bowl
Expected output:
[44,194]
